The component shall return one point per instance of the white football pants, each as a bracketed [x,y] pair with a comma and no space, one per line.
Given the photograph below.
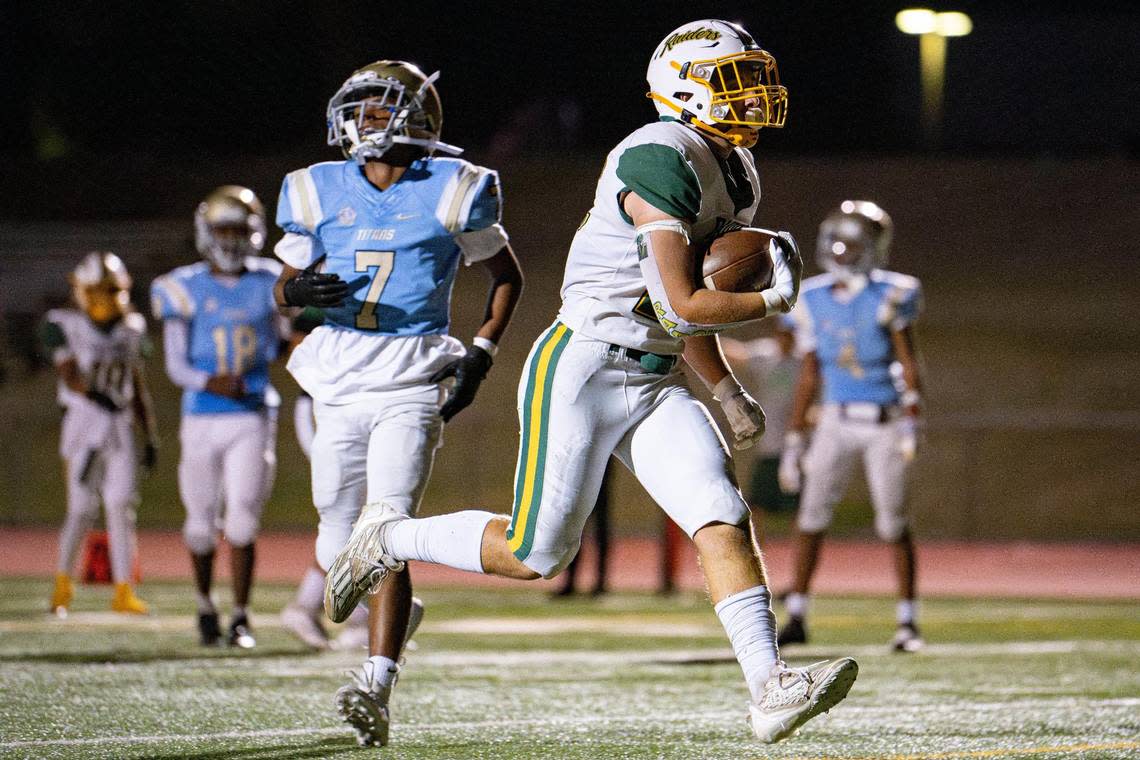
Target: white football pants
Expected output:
[837,446]
[108,473]
[370,451]
[579,403]
[225,476]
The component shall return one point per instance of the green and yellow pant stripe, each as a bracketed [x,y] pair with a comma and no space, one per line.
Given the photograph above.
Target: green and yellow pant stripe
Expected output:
[535,422]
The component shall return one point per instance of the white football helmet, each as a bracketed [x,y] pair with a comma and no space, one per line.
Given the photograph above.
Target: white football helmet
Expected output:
[854,239]
[101,286]
[228,226]
[712,74]
[415,116]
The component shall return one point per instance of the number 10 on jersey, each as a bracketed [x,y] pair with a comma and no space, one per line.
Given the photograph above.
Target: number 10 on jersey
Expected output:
[383,262]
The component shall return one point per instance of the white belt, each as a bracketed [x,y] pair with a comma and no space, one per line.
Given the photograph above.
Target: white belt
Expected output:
[866,411]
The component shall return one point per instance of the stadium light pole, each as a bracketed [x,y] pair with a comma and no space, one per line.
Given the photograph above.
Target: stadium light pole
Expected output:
[932,30]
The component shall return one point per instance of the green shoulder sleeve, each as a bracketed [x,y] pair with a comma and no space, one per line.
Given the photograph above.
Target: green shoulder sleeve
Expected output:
[663,178]
[51,336]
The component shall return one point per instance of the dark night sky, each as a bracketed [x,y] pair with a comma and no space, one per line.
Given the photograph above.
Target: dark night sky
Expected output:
[129,93]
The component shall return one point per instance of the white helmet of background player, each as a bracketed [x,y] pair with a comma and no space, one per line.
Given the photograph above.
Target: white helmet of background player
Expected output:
[854,239]
[228,226]
[415,116]
[101,286]
[712,74]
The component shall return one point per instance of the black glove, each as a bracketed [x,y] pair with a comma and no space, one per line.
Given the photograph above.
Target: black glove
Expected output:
[103,400]
[150,455]
[468,372]
[313,288]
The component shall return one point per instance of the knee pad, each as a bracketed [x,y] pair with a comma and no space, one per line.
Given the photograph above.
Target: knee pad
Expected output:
[890,527]
[240,530]
[199,540]
[719,501]
[813,516]
[331,538]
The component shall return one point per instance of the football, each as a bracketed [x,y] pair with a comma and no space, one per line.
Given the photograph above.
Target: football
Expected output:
[738,261]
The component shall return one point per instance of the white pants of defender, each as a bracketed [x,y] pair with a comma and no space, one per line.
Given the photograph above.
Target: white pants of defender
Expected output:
[837,446]
[225,476]
[578,405]
[106,472]
[371,451]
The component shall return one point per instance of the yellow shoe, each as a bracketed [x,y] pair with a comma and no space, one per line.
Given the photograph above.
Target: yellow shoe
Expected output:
[61,596]
[126,601]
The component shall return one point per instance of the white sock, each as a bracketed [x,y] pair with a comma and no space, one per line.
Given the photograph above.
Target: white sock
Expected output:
[455,540]
[311,590]
[383,672]
[907,611]
[797,604]
[751,627]
[205,603]
[238,612]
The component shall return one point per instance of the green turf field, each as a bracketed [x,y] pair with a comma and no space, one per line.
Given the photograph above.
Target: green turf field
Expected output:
[512,675]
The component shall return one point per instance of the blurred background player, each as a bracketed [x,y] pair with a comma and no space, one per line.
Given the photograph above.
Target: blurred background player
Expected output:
[97,348]
[853,322]
[221,329]
[375,241]
[602,381]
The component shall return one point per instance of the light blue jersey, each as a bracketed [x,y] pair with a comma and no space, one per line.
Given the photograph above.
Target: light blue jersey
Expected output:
[398,248]
[851,334]
[232,324]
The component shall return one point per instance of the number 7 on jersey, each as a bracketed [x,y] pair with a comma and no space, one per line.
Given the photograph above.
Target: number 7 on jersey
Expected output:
[383,261]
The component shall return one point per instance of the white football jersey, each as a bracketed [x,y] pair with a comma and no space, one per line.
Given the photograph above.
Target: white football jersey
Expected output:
[106,359]
[672,167]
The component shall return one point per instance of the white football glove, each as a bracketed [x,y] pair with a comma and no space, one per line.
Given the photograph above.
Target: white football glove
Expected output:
[788,474]
[787,268]
[745,416]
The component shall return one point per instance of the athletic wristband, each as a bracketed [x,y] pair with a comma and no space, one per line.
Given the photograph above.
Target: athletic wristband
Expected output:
[487,345]
[773,302]
[793,439]
[727,387]
[910,397]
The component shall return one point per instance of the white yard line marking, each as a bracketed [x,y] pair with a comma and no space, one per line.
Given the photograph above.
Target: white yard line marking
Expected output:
[1064,749]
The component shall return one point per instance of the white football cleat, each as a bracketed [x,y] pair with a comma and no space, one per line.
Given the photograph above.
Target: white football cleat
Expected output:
[305,625]
[364,706]
[363,563]
[907,639]
[793,696]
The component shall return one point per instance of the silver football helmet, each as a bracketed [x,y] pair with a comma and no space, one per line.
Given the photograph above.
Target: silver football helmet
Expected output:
[383,104]
[854,239]
[228,226]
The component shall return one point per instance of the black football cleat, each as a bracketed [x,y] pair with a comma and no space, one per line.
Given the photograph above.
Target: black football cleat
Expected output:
[240,633]
[209,634]
[907,638]
[792,632]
